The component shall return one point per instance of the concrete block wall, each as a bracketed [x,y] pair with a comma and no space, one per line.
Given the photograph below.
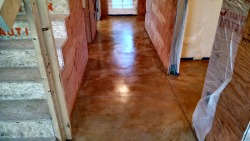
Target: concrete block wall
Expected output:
[160,22]
[75,53]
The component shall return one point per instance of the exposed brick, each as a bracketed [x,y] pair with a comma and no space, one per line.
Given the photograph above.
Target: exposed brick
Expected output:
[160,21]
[75,53]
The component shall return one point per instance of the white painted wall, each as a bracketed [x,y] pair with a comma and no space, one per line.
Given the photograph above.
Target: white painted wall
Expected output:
[202,21]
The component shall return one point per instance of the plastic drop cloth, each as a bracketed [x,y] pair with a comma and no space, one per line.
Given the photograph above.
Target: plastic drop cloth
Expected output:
[232,19]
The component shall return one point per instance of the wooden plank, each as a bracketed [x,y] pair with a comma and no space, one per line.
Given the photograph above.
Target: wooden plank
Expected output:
[8,13]
[232,115]
[54,67]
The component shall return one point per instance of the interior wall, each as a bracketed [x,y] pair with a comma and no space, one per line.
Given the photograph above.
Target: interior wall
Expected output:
[202,21]
[160,23]
[92,13]
[104,7]
[141,7]
[75,53]
[90,20]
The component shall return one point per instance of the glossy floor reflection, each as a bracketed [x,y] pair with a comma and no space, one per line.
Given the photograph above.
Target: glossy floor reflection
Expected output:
[126,94]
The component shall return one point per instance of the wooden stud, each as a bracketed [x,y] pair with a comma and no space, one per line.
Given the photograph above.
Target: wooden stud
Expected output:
[41,35]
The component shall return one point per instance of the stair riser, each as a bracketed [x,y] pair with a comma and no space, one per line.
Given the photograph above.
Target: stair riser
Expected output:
[18,58]
[26,129]
[21,30]
[23,58]
[27,58]
[21,91]
[31,139]
[54,7]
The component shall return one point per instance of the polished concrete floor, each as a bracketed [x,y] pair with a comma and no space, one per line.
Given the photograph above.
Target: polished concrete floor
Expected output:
[126,94]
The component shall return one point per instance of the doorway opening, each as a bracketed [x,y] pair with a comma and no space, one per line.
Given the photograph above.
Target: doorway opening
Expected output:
[122,7]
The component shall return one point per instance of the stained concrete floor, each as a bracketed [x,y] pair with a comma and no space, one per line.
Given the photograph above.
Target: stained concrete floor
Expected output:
[127,96]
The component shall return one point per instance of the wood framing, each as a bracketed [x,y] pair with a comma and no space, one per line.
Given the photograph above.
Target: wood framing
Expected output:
[54,64]
[44,45]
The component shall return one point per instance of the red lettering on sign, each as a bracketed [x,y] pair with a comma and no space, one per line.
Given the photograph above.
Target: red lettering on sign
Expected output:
[11,33]
[50,6]
[27,31]
[15,31]
[231,25]
[18,31]
[2,32]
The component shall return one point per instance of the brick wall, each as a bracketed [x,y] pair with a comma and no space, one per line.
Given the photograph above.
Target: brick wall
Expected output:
[75,53]
[160,21]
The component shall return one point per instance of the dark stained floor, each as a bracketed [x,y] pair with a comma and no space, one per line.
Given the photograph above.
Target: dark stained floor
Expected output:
[126,94]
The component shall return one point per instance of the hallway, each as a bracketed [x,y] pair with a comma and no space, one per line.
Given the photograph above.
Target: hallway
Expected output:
[127,96]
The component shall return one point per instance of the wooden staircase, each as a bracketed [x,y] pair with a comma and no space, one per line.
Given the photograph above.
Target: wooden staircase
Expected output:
[24,112]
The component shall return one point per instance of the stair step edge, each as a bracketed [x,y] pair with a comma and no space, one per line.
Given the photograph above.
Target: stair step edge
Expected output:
[29,139]
[24,110]
[55,17]
[22,91]
[14,44]
[20,74]
[26,129]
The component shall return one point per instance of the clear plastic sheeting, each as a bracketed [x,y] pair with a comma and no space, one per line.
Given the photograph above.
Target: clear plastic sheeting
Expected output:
[232,19]
[246,136]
